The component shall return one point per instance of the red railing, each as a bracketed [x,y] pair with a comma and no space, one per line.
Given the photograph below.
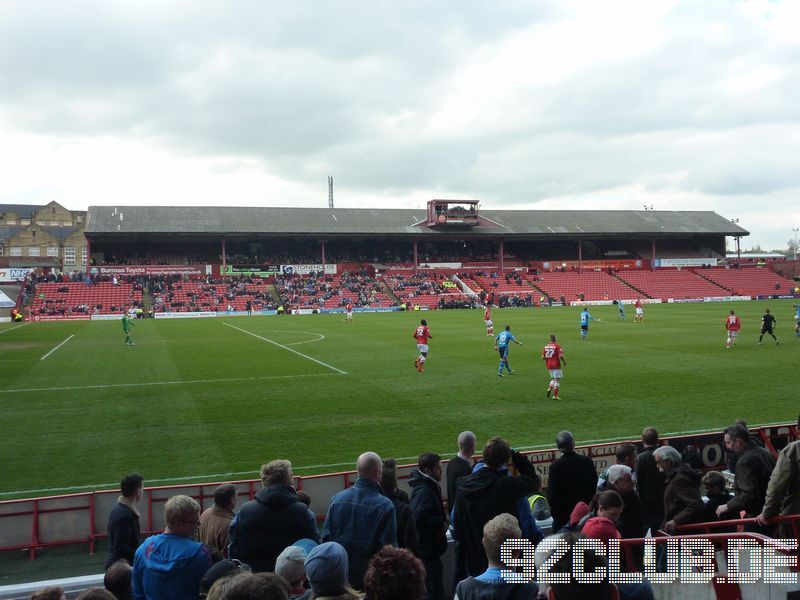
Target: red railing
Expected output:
[27,524]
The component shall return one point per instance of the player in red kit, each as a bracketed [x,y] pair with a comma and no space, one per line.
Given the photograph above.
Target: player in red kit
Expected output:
[487,318]
[639,312]
[349,314]
[553,356]
[422,334]
[733,324]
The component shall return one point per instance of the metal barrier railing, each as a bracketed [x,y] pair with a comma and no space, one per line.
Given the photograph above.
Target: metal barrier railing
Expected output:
[29,524]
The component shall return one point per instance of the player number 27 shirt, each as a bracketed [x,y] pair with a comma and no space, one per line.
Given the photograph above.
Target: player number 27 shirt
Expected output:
[552,356]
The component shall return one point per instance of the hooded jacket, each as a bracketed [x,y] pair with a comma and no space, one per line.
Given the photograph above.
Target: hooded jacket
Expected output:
[481,497]
[265,526]
[429,515]
[682,501]
[169,567]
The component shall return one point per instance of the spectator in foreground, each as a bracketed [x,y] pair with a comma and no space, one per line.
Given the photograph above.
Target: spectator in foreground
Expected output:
[714,484]
[783,490]
[123,522]
[291,566]
[650,482]
[608,507]
[682,501]
[258,586]
[361,518]
[53,592]
[117,579]
[572,479]
[579,591]
[394,574]
[487,493]
[216,520]
[754,467]
[224,569]
[460,465]
[490,584]
[273,521]
[431,522]
[620,479]
[626,455]
[169,566]
[406,529]
[327,573]
[95,593]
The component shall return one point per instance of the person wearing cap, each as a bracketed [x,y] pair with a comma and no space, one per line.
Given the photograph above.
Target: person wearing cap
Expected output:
[361,518]
[327,568]
[271,522]
[291,566]
[221,570]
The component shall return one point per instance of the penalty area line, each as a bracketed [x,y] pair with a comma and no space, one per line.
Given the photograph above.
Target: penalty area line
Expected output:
[151,383]
[13,328]
[274,343]
[57,347]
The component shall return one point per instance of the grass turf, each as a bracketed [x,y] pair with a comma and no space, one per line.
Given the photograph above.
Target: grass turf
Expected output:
[202,398]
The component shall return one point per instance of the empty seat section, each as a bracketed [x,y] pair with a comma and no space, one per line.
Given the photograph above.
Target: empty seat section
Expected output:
[592,285]
[753,281]
[671,284]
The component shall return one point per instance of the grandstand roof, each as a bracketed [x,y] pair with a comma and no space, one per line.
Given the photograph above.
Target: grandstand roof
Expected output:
[143,220]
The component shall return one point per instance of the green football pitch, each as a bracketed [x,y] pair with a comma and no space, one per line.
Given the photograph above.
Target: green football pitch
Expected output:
[213,399]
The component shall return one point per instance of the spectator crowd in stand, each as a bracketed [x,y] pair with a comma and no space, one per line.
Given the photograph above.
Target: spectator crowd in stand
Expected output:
[377,543]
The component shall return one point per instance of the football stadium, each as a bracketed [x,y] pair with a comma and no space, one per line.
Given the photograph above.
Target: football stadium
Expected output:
[192,346]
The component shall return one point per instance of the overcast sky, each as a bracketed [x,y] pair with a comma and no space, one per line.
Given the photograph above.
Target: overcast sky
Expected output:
[682,105]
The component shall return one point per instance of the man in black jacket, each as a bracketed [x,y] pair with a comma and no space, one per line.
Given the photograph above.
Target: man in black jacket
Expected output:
[460,465]
[486,494]
[431,522]
[650,482]
[123,522]
[276,519]
[572,479]
[753,469]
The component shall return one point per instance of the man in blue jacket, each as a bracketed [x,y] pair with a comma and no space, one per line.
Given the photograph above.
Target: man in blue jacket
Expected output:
[170,566]
[361,518]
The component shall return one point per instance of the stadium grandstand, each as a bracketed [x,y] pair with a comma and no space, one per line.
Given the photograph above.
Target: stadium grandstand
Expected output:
[174,261]
[168,260]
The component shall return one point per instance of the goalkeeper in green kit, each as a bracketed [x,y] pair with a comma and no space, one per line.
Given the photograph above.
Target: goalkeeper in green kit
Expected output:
[126,327]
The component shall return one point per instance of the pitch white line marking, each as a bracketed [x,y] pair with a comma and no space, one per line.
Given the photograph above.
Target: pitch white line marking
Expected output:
[57,347]
[320,337]
[13,328]
[222,476]
[319,362]
[144,384]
